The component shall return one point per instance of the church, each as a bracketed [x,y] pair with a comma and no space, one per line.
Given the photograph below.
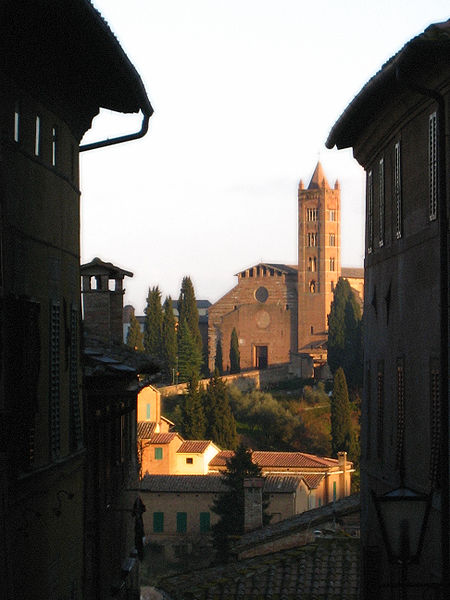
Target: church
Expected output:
[280,312]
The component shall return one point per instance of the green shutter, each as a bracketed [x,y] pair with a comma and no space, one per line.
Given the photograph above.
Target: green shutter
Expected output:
[158,522]
[205,523]
[158,453]
[148,412]
[334,491]
[181,522]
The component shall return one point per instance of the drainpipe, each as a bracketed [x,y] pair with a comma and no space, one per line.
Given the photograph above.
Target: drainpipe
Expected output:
[443,296]
[120,139]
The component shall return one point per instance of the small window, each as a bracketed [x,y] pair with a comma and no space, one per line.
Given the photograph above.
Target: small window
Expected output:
[334,491]
[205,522]
[147,413]
[332,215]
[311,214]
[158,453]
[16,123]
[189,460]
[312,329]
[312,263]
[311,240]
[312,287]
[181,522]
[332,263]
[158,522]
[54,140]
[332,239]
[37,136]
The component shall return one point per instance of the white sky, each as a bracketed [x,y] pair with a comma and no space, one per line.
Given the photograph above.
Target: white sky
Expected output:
[245,93]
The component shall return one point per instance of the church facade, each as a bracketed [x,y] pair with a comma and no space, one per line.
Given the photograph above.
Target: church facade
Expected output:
[280,311]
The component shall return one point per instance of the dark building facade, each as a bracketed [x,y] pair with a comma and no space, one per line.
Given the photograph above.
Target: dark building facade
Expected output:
[60,64]
[398,128]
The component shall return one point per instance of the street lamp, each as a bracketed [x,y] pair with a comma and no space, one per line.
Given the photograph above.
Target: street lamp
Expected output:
[403,515]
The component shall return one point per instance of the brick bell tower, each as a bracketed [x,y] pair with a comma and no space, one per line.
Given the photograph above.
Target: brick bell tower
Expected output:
[319,261]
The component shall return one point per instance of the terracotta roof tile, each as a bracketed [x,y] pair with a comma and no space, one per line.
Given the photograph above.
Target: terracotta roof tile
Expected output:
[327,569]
[291,459]
[313,481]
[220,460]
[164,438]
[145,429]
[182,483]
[193,446]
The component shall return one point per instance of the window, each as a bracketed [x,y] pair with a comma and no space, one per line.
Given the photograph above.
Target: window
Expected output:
[334,491]
[312,263]
[181,522]
[369,211]
[332,215]
[55,326]
[147,411]
[432,166]
[189,461]
[205,522]
[311,239]
[332,263]
[380,409]
[311,214]
[398,192]
[312,287]
[158,453]
[312,329]
[381,201]
[16,123]
[54,140]
[435,423]
[400,414]
[158,522]
[37,136]
[332,239]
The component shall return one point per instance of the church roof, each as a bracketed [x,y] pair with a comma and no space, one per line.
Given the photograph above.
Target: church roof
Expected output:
[352,272]
[283,268]
[318,180]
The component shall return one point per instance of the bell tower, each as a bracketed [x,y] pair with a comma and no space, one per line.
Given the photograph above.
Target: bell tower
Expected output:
[319,260]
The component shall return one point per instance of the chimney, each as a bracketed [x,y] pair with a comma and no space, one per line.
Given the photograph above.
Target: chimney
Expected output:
[253,503]
[102,294]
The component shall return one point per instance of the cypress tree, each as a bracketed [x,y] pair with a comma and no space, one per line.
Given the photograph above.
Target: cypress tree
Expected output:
[189,356]
[169,340]
[153,323]
[218,361]
[229,506]
[194,423]
[135,339]
[235,357]
[221,424]
[187,309]
[342,433]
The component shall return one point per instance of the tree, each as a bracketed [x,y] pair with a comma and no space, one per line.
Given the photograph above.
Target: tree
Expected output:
[221,425]
[343,437]
[194,423]
[189,356]
[218,361]
[153,323]
[169,340]
[235,358]
[134,336]
[345,333]
[187,309]
[229,506]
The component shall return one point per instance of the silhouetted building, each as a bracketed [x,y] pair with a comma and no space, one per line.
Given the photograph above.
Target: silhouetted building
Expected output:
[60,64]
[397,126]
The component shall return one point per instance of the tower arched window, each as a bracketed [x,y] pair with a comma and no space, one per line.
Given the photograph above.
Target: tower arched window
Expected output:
[312,286]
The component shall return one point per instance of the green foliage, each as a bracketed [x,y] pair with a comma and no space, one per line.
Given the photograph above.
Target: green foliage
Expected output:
[153,323]
[229,506]
[235,357]
[194,422]
[169,340]
[221,425]
[189,355]
[187,310]
[218,361]
[345,334]
[135,339]
[342,431]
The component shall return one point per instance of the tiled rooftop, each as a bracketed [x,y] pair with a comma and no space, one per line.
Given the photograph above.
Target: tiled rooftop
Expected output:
[325,570]
[145,429]
[278,459]
[193,447]
[163,438]
[183,483]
